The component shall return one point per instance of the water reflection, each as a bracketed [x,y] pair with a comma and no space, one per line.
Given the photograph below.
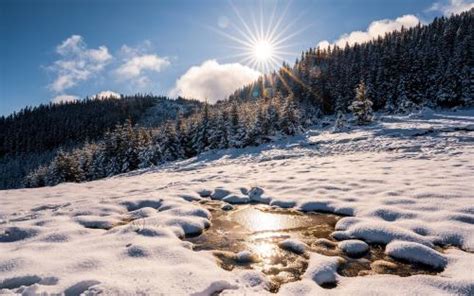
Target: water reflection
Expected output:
[259,220]
[265,250]
[259,229]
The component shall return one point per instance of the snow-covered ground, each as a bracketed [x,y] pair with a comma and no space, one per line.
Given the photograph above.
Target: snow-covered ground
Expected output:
[404,181]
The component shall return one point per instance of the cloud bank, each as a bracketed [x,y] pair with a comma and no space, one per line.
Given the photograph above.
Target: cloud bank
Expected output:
[213,81]
[77,63]
[375,29]
[452,6]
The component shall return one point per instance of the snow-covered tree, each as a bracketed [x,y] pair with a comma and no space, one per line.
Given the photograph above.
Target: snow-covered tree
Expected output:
[63,168]
[170,145]
[404,104]
[219,138]
[361,107]
[289,117]
[200,139]
[236,129]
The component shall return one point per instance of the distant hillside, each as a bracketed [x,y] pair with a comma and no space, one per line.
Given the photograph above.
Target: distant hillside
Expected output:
[47,127]
[30,137]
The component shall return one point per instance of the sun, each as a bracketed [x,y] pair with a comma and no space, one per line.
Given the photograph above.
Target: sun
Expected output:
[263,41]
[263,50]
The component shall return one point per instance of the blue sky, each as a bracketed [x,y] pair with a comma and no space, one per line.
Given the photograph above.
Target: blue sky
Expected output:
[67,49]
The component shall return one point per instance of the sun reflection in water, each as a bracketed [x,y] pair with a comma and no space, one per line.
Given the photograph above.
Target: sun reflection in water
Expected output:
[257,221]
[264,249]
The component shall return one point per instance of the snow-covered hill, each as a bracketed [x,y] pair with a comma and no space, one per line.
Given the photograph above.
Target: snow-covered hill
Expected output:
[405,181]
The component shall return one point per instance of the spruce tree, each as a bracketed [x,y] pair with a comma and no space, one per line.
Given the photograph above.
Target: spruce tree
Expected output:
[361,107]
[289,117]
[201,134]
[405,105]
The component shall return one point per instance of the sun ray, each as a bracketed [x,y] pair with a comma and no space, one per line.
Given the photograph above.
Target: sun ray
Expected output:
[279,22]
[231,37]
[297,32]
[247,28]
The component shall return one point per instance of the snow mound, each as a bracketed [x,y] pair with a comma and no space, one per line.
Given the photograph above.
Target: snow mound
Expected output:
[204,193]
[215,288]
[255,192]
[353,247]
[246,257]
[340,235]
[143,213]
[219,193]
[236,199]
[293,245]
[323,269]
[317,206]
[324,242]
[98,222]
[286,204]
[416,253]
[384,233]
[142,203]
[188,225]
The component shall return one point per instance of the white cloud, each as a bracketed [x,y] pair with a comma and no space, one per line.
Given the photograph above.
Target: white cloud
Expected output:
[64,99]
[137,65]
[106,94]
[452,6]
[77,63]
[375,29]
[213,81]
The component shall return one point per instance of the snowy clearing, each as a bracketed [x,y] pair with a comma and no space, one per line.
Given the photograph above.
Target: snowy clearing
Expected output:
[405,181]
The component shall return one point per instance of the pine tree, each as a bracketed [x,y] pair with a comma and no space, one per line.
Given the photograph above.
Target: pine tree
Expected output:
[236,131]
[219,134]
[289,118]
[405,105]
[63,168]
[361,107]
[273,118]
[201,134]
[169,143]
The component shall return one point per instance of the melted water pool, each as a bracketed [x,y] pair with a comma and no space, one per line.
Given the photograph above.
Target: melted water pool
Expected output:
[259,229]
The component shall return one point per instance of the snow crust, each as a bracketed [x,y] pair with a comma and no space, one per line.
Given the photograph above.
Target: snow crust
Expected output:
[405,181]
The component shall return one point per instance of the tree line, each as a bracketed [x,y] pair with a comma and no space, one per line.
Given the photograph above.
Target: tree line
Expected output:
[129,147]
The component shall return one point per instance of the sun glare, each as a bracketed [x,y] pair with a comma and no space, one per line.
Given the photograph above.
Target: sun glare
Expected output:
[263,50]
[263,40]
